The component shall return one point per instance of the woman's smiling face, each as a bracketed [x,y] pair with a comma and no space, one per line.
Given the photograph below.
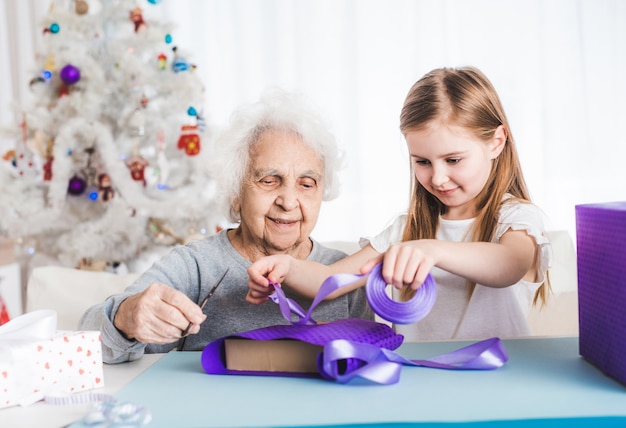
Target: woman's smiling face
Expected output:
[282,192]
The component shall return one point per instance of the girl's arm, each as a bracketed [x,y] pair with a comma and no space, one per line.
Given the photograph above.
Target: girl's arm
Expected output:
[491,264]
[303,276]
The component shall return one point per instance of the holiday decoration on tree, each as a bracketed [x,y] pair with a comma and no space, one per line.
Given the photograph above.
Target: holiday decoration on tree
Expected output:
[4,312]
[107,161]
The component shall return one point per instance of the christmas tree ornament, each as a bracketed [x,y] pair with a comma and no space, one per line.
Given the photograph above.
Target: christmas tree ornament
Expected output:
[47,154]
[168,38]
[179,63]
[200,122]
[76,185]
[93,194]
[54,28]
[81,7]
[10,157]
[137,165]
[47,168]
[162,58]
[4,311]
[189,140]
[35,80]
[105,187]
[70,74]
[49,65]
[191,111]
[64,90]
[136,15]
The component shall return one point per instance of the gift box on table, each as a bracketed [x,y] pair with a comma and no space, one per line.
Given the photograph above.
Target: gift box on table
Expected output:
[38,361]
[601,257]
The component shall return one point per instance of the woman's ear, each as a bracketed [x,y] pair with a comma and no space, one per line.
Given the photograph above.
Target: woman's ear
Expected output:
[235,206]
[498,141]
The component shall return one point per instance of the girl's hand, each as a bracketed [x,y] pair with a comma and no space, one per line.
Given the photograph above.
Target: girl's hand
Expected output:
[271,268]
[407,264]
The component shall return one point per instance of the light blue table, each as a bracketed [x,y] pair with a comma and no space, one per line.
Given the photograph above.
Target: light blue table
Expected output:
[545,383]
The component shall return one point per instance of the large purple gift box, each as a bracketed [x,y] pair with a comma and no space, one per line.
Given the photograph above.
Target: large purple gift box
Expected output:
[601,253]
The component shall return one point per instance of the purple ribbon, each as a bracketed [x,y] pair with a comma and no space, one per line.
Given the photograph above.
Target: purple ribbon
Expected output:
[379,364]
[382,365]
[355,348]
[407,312]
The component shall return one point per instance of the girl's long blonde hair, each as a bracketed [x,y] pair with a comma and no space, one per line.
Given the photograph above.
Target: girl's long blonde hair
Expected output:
[463,97]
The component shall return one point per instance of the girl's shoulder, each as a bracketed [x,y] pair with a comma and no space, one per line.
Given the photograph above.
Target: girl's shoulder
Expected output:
[390,234]
[522,215]
[513,209]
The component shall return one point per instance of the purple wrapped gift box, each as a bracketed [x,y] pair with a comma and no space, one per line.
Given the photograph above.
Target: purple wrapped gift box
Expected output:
[601,256]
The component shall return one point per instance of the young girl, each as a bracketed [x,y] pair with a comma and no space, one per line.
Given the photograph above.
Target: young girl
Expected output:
[470,222]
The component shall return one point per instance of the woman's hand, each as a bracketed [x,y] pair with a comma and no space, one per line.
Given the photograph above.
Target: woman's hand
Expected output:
[159,314]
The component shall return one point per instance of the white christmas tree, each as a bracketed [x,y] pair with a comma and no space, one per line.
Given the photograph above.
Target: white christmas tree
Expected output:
[110,160]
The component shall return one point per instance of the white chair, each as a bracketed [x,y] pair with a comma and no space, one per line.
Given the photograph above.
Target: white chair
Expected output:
[559,316]
[71,291]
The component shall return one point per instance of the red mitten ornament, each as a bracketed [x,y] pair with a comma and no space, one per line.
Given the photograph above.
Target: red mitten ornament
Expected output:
[189,140]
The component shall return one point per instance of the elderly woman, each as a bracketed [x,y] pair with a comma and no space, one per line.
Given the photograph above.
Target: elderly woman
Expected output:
[275,165]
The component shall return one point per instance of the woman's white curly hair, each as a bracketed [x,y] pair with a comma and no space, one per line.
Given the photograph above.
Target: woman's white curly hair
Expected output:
[275,110]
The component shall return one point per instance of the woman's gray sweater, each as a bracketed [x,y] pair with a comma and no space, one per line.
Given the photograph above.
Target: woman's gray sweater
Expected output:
[194,269]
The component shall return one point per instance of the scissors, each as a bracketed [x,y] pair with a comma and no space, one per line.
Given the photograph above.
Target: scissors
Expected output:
[206,299]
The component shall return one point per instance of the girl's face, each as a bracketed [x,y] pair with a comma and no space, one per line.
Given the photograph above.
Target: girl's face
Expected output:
[453,165]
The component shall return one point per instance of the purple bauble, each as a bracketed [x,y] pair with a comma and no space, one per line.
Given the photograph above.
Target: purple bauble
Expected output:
[76,186]
[70,74]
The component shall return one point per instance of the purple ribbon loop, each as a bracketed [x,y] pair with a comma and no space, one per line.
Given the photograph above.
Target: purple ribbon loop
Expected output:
[289,307]
[382,365]
[407,312]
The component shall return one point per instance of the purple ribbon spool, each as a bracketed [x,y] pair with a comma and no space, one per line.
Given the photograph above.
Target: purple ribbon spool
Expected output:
[407,312]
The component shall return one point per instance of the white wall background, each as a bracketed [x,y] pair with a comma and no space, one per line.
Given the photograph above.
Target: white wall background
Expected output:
[558,65]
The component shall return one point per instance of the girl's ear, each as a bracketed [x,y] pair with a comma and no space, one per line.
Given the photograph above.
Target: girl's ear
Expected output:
[498,141]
